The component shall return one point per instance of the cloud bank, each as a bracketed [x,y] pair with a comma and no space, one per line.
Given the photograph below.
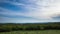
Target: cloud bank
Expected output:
[32,10]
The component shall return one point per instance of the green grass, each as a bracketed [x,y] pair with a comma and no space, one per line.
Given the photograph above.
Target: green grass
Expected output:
[33,32]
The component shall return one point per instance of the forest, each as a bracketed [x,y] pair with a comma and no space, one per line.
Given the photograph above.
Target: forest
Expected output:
[7,27]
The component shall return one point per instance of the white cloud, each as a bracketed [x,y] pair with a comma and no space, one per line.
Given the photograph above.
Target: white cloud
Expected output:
[44,9]
[40,9]
[16,20]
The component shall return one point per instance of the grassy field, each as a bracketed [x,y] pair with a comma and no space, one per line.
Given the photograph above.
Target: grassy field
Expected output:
[33,32]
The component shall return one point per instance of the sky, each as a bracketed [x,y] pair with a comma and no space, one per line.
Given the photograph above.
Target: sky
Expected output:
[29,11]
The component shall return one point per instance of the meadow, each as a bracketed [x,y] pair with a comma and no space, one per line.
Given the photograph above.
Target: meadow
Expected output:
[33,32]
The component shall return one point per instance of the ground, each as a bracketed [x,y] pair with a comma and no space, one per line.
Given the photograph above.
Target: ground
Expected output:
[33,32]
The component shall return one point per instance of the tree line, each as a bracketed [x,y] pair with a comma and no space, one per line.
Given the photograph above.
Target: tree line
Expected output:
[28,26]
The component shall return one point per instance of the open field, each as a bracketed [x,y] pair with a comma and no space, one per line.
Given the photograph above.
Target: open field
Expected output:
[33,32]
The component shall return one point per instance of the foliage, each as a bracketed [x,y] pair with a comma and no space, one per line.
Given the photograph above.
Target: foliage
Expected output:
[33,32]
[29,26]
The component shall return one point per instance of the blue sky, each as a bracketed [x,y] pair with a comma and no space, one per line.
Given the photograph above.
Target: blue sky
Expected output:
[29,11]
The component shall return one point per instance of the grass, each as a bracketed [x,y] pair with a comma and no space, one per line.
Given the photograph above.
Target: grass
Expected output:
[33,32]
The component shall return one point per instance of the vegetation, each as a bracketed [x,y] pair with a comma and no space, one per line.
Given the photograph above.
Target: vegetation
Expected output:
[33,32]
[7,27]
